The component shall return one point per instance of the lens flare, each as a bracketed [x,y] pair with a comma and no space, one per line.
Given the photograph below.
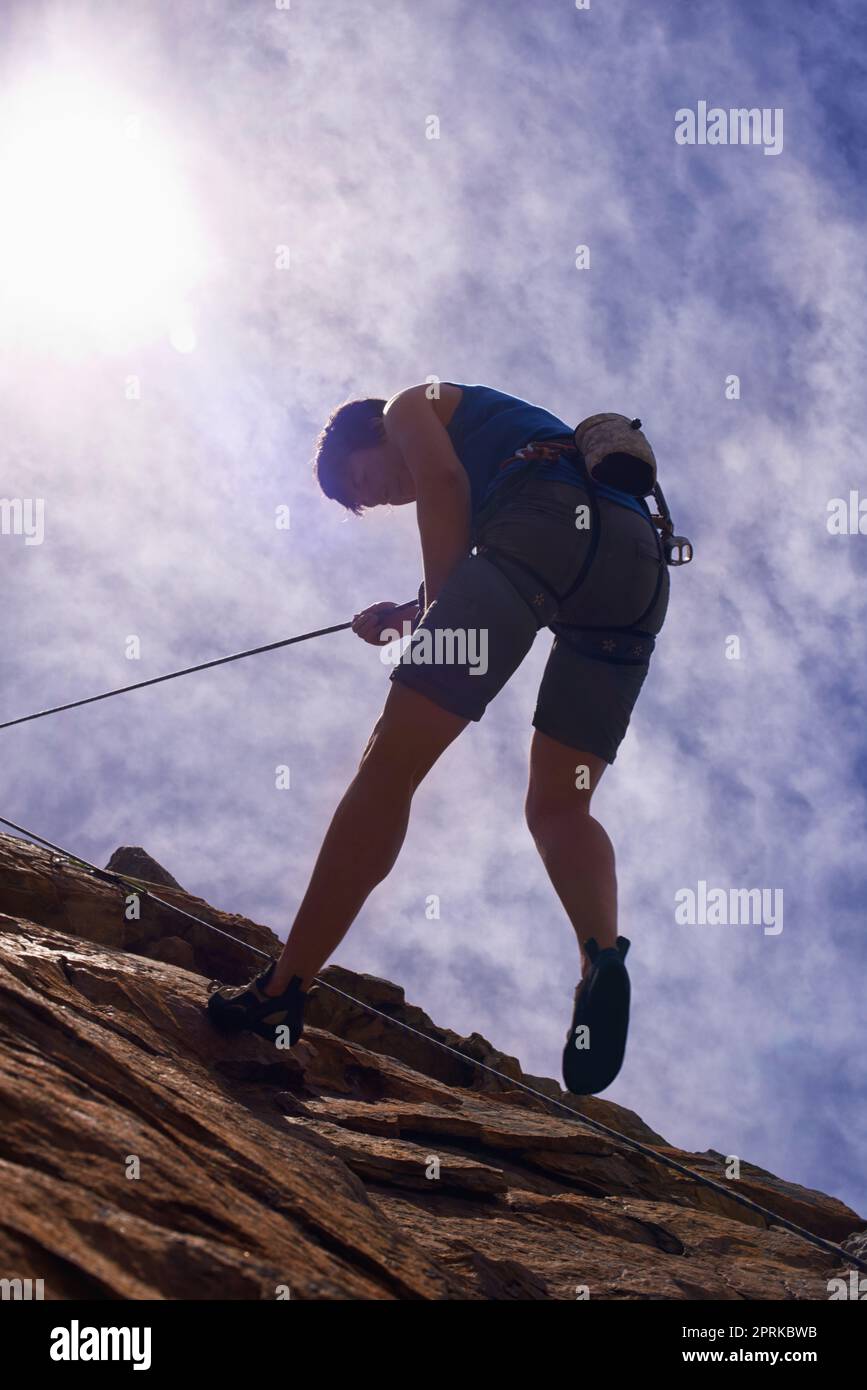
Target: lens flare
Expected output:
[99,237]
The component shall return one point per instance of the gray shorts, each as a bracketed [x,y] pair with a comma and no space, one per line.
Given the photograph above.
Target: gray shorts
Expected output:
[529,555]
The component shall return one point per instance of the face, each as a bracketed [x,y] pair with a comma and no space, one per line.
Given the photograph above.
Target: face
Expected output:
[379,475]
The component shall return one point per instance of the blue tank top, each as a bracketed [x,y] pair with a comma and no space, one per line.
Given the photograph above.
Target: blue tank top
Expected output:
[489,427]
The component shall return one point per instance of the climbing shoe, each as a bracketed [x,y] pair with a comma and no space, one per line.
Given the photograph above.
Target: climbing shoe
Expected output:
[596,1042]
[247,1008]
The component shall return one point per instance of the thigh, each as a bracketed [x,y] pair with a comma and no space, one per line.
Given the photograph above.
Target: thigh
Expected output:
[562,777]
[586,703]
[469,642]
[410,735]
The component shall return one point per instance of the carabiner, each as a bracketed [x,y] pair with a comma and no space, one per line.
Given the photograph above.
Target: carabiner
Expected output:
[679,544]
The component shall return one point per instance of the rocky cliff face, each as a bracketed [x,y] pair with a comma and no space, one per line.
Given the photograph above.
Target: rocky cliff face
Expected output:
[144,1156]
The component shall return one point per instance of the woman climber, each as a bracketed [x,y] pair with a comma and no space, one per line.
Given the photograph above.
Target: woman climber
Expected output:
[517,533]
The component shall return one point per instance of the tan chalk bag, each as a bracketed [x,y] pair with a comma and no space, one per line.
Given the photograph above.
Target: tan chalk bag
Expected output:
[617,453]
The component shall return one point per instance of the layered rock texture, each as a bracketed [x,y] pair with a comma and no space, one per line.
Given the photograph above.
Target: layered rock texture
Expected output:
[144,1156]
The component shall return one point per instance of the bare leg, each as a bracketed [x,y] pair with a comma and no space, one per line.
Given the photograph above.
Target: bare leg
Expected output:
[575,849]
[367,830]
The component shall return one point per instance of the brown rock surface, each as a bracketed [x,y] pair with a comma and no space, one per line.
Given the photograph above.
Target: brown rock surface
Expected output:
[142,1155]
[46,888]
[135,862]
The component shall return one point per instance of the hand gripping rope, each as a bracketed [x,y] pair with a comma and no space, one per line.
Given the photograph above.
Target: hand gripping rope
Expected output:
[118,881]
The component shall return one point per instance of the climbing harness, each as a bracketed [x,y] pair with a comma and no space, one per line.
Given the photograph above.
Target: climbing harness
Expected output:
[118,881]
[550,450]
[629,644]
[678,550]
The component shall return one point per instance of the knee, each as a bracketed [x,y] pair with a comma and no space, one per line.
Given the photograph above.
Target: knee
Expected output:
[373,742]
[390,757]
[547,810]
[383,752]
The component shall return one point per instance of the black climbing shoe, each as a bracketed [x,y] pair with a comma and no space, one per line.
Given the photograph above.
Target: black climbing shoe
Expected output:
[246,1008]
[602,1007]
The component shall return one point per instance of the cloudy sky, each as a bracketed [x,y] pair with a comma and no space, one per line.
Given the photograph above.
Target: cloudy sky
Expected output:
[222,220]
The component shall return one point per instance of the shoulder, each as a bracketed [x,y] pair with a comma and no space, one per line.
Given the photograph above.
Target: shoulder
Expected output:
[442,399]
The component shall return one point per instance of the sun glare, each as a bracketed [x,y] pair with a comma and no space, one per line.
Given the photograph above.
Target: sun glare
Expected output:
[99,241]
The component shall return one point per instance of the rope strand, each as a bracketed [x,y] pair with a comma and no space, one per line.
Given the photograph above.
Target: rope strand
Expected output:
[173,675]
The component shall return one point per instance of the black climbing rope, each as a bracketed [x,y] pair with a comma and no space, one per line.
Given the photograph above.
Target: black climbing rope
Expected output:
[117,880]
[173,675]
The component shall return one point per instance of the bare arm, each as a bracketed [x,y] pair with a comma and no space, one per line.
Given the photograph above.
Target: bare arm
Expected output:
[442,485]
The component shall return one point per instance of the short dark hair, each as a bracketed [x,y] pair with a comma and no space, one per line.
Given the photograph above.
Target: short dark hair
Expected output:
[353,425]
